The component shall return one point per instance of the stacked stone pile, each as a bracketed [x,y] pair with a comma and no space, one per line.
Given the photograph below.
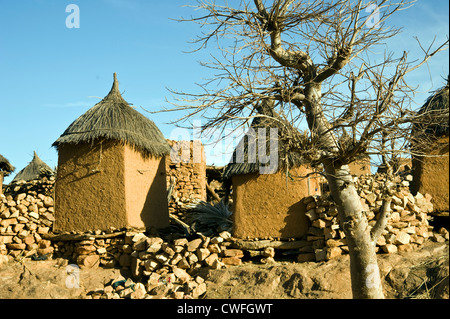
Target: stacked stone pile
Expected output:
[26,215]
[407,226]
[186,171]
[163,269]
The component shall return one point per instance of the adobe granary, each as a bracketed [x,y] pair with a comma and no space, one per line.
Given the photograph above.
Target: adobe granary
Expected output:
[5,170]
[269,204]
[430,150]
[111,170]
[34,170]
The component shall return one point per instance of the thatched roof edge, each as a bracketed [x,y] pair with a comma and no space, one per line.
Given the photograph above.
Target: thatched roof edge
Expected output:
[5,166]
[114,119]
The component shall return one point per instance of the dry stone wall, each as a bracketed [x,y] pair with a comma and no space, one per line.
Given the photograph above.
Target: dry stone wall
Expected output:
[407,228]
[186,173]
[171,266]
[26,215]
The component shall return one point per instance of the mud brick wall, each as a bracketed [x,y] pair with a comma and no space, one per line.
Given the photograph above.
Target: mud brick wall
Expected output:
[431,175]
[186,170]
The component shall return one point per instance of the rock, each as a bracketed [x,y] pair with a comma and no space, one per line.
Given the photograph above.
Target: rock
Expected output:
[199,290]
[151,264]
[192,259]
[312,215]
[45,251]
[140,245]
[202,253]
[233,253]
[268,260]
[180,242]
[88,261]
[178,294]
[402,238]
[269,252]
[193,244]
[214,248]
[438,238]
[405,248]
[210,260]
[333,252]
[160,291]
[306,257]
[139,291]
[225,235]
[16,246]
[181,274]
[319,223]
[167,249]
[44,243]
[389,248]
[321,254]
[162,258]
[48,201]
[85,250]
[232,261]
[33,215]
[336,242]
[184,264]
[154,248]
[216,240]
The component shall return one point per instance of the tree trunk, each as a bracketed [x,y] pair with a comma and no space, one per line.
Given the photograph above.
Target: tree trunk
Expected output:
[365,275]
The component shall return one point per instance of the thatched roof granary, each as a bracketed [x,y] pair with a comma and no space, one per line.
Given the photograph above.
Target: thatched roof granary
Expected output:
[433,120]
[430,149]
[111,169]
[268,203]
[33,171]
[113,119]
[5,166]
[5,169]
[240,162]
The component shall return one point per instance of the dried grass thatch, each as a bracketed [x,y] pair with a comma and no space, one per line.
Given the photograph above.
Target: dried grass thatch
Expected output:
[33,171]
[113,119]
[5,166]
[435,113]
[286,158]
[432,124]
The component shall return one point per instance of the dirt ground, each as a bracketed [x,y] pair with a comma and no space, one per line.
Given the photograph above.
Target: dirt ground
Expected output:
[423,273]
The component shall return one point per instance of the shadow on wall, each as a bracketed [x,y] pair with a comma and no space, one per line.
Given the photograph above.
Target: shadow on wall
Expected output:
[155,214]
[296,222]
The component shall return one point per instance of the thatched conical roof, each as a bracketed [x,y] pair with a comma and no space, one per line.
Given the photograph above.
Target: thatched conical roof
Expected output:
[239,165]
[113,119]
[5,166]
[33,170]
[433,121]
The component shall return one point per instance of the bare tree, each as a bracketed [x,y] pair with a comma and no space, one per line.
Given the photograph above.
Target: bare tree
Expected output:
[309,62]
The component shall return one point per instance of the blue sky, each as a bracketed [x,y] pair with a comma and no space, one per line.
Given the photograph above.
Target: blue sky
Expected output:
[50,74]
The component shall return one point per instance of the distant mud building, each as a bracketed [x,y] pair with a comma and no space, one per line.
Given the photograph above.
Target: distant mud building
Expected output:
[111,170]
[5,170]
[430,145]
[35,170]
[269,204]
